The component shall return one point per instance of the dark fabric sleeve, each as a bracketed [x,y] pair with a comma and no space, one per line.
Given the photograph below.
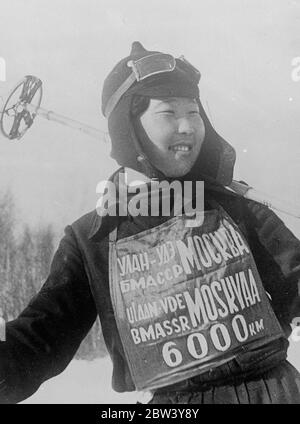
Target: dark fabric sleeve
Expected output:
[277,255]
[44,338]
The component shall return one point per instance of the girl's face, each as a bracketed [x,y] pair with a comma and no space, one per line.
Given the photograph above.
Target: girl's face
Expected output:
[176,132]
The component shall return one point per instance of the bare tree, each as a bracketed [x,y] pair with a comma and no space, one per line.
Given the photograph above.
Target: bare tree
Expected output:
[25,258]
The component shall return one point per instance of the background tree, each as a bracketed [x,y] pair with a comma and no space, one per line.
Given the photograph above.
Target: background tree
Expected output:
[25,259]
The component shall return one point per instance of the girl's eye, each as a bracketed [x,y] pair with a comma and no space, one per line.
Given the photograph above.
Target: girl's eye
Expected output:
[194,112]
[167,112]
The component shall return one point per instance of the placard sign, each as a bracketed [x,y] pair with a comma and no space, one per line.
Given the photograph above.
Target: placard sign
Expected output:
[187,299]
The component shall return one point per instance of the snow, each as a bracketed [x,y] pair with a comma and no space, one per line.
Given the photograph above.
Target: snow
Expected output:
[82,382]
[90,382]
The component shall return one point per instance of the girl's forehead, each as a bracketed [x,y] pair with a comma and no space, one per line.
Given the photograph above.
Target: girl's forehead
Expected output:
[173,100]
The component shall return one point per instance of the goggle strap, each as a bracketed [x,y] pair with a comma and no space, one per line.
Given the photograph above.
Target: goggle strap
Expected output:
[112,102]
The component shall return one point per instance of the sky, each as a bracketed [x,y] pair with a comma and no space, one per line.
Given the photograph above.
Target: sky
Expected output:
[243,48]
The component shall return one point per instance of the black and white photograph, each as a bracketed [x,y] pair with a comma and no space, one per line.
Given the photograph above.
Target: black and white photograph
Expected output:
[150,203]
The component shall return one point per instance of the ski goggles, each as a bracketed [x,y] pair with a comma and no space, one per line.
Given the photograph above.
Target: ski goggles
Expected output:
[147,66]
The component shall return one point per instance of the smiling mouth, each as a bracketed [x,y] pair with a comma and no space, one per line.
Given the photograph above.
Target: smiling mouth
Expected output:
[181,148]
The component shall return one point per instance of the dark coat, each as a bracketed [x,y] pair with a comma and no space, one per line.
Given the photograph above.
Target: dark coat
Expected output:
[44,338]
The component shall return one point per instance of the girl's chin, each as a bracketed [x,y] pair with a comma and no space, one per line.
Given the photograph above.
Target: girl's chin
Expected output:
[177,171]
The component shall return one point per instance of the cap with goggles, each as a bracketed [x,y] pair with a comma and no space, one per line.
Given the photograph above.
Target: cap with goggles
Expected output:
[157,75]
[146,67]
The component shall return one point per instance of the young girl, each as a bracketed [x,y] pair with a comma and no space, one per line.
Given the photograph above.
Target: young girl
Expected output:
[192,311]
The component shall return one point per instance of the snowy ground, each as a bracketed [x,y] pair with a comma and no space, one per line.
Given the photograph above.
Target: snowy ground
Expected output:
[90,382]
[82,382]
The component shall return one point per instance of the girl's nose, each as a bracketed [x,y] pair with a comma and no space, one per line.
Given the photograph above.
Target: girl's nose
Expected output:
[185,126]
